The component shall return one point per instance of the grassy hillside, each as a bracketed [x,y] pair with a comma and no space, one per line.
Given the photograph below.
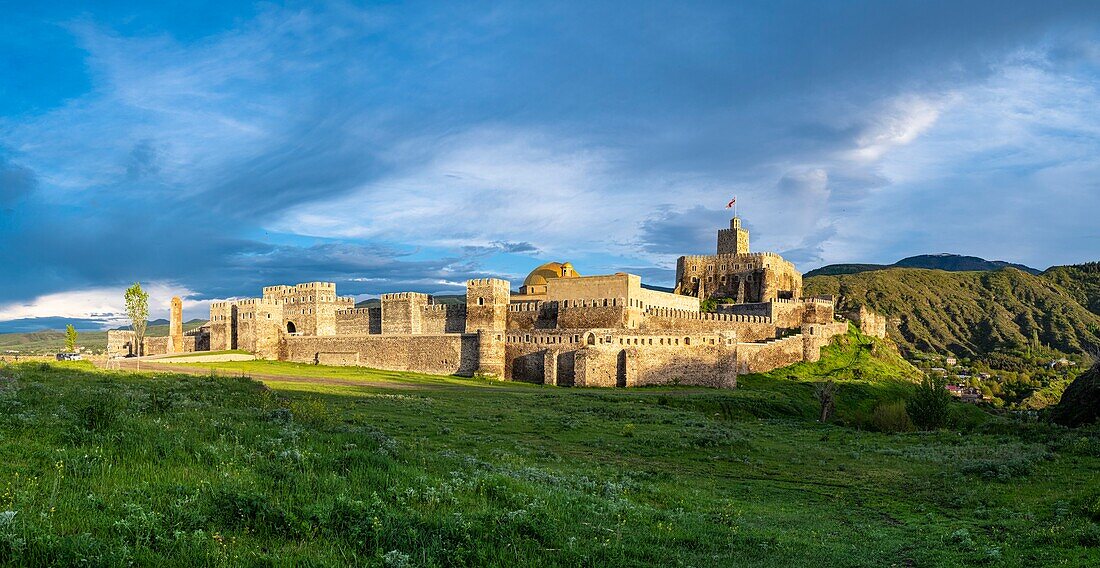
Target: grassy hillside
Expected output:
[968,313]
[397,469]
[1082,281]
[945,261]
[53,341]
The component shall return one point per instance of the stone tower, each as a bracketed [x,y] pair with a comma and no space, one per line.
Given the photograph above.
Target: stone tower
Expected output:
[733,240]
[175,326]
[487,302]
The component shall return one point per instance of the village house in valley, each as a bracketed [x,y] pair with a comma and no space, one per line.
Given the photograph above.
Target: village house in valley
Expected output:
[559,328]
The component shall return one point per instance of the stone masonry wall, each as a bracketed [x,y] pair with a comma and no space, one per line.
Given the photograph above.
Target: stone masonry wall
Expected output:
[443,318]
[356,321]
[763,357]
[120,343]
[747,328]
[402,313]
[438,354]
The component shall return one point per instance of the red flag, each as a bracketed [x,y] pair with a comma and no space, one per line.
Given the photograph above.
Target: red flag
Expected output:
[730,204]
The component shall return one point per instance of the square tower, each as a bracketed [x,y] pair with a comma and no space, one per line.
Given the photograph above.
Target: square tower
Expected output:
[487,302]
[733,240]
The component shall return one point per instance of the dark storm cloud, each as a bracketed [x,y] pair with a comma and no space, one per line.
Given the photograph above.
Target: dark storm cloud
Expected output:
[193,138]
[691,231]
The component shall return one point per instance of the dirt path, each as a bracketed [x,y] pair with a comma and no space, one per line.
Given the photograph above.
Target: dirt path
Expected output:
[152,366]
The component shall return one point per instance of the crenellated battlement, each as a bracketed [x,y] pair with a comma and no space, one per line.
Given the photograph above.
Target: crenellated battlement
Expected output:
[705,316]
[349,311]
[405,296]
[492,282]
[444,307]
[528,306]
[591,303]
[258,302]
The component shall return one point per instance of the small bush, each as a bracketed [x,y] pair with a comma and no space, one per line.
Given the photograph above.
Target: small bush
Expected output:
[928,407]
[891,417]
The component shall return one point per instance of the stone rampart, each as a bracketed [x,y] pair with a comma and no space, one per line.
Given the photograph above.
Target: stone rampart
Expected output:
[747,328]
[765,356]
[450,354]
[443,318]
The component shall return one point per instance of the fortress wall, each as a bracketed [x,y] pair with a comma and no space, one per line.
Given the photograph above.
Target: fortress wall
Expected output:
[259,326]
[702,365]
[359,321]
[154,346]
[657,299]
[763,357]
[528,315]
[522,320]
[223,326]
[450,354]
[787,313]
[762,309]
[747,328]
[120,342]
[443,318]
[487,303]
[402,313]
[588,314]
[871,323]
[324,318]
[526,355]
[816,336]
[816,310]
[699,364]
[591,287]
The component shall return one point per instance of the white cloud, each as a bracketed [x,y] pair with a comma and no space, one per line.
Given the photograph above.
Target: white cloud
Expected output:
[105,304]
[900,122]
[484,185]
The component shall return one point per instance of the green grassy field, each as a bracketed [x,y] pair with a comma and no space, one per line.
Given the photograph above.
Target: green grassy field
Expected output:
[396,469]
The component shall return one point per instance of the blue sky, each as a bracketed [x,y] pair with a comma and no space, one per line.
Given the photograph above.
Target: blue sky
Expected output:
[208,149]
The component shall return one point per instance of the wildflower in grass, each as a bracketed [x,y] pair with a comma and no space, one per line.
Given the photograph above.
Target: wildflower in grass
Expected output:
[397,559]
[7,517]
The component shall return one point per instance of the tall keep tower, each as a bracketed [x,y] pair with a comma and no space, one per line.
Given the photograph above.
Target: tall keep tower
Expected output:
[733,240]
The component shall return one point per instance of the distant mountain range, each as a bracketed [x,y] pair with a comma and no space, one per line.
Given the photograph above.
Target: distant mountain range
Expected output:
[943,261]
[976,313]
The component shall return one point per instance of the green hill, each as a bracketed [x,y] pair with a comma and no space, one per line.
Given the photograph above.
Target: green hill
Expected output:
[943,261]
[1082,281]
[968,313]
[48,341]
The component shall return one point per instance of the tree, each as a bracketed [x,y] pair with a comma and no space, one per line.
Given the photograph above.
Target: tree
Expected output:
[70,338]
[928,405]
[137,307]
[826,395]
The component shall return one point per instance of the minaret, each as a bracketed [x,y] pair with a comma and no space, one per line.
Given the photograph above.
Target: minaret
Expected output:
[175,326]
[733,240]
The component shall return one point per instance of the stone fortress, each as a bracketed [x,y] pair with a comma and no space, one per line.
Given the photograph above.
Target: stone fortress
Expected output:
[561,328]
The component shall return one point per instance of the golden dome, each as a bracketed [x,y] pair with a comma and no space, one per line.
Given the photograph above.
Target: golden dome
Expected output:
[548,271]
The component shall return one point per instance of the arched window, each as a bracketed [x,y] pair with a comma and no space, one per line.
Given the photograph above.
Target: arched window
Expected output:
[480,301]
